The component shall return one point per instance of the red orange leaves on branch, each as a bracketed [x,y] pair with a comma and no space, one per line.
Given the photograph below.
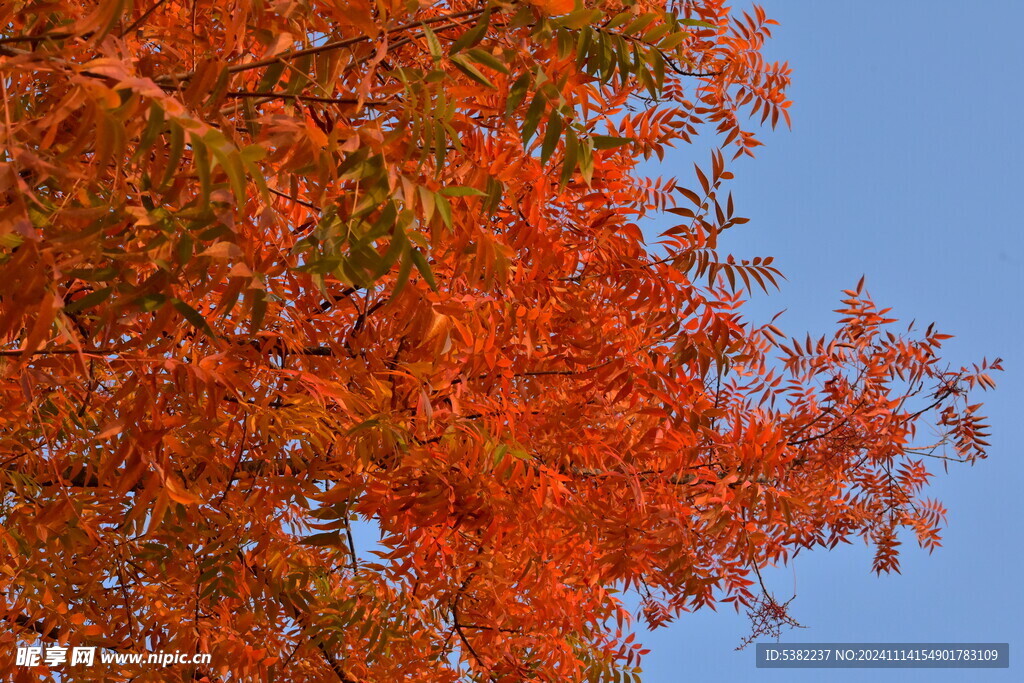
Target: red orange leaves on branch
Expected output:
[269,270]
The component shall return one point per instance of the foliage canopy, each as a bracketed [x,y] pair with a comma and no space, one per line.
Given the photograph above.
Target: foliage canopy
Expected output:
[270,267]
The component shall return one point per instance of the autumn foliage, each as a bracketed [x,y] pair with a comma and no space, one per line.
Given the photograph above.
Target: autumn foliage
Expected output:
[269,269]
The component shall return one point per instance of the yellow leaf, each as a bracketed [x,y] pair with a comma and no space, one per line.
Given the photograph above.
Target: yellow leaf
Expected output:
[178,493]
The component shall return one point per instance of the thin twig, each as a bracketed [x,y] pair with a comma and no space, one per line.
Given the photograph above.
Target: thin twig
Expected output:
[326,47]
[270,95]
[145,15]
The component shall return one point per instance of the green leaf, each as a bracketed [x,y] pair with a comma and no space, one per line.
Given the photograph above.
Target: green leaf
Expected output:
[606,58]
[433,44]
[209,574]
[517,92]
[609,142]
[184,248]
[639,24]
[461,191]
[11,240]
[365,424]
[619,19]
[487,59]
[672,40]
[192,315]
[571,157]
[154,126]
[384,224]
[354,164]
[220,86]
[622,52]
[645,75]
[258,307]
[201,162]
[444,210]
[440,147]
[174,152]
[404,269]
[271,76]
[299,77]
[696,22]
[325,538]
[580,18]
[420,261]
[250,117]
[227,158]
[90,299]
[532,118]
[495,191]
[656,33]
[586,37]
[586,163]
[657,63]
[250,156]
[463,64]
[473,35]
[427,202]
[551,137]
[150,302]
[566,43]
[398,246]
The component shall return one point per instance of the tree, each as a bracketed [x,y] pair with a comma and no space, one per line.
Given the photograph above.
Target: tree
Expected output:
[268,269]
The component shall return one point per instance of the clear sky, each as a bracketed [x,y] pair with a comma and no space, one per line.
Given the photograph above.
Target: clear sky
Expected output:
[904,165]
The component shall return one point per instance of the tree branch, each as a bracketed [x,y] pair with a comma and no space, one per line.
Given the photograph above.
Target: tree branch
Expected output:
[269,96]
[326,47]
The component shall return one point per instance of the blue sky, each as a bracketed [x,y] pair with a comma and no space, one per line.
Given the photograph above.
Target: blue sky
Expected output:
[903,165]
